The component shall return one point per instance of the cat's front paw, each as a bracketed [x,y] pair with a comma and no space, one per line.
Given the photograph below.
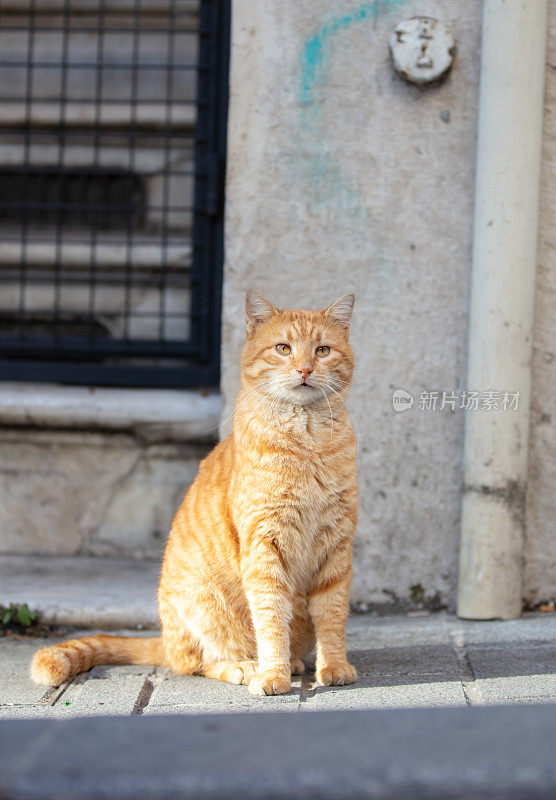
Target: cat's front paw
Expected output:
[337,674]
[270,681]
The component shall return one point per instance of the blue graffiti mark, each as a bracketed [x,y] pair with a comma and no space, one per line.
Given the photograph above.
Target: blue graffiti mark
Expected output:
[318,163]
[320,168]
[312,57]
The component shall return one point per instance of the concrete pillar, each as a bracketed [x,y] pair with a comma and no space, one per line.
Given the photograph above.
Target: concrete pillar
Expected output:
[501,318]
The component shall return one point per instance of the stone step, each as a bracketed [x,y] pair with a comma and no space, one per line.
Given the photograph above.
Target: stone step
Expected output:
[95,471]
[88,592]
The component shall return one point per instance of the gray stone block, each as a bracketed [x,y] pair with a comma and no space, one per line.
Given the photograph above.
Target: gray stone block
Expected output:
[509,659]
[426,754]
[83,493]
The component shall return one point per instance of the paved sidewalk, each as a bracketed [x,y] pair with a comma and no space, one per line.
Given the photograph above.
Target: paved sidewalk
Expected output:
[403,662]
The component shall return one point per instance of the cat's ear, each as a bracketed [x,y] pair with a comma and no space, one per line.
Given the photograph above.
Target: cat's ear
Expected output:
[341,310]
[257,309]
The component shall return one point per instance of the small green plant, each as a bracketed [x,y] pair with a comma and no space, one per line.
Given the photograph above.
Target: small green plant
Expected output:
[17,614]
[417,593]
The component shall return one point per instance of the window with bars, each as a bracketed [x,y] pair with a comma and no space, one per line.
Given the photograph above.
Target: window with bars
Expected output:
[112,147]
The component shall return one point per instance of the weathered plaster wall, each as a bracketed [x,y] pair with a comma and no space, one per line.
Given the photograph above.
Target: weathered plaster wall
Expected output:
[342,177]
[540,544]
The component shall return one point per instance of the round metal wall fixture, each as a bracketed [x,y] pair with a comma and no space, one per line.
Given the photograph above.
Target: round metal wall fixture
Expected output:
[422,49]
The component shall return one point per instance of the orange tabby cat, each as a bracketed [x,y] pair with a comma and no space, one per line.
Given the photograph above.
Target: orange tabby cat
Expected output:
[257,567]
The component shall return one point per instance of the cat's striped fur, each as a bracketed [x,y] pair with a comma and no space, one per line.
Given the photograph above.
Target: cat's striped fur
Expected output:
[257,567]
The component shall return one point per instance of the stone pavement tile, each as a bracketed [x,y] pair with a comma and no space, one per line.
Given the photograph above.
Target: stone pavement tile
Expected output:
[394,666]
[105,690]
[16,684]
[402,662]
[395,677]
[532,689]
[365,631]
[194,694]
[20,698]
[368,632]
[15,711]
[513,672]
[366,695]
[512,659]
[531,627]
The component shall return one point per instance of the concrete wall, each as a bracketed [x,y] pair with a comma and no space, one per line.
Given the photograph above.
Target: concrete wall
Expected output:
[540,544]
[97,472]
[341,177]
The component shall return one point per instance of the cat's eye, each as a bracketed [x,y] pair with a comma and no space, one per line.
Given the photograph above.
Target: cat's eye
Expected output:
[283,349]
[322,351]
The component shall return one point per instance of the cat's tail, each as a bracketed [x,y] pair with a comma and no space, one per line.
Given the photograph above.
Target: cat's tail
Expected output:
[53,665]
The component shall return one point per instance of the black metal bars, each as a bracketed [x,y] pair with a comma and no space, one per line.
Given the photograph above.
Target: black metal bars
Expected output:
[112,155]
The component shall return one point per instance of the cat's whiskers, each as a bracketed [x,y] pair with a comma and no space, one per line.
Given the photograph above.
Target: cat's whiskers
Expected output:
[350,412]
[273,391]
[341,384]
[345,386]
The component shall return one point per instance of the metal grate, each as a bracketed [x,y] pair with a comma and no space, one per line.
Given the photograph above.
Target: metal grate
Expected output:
[112,148]
[108,198]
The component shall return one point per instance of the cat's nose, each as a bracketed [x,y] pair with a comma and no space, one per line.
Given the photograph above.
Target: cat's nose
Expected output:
[305,372]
